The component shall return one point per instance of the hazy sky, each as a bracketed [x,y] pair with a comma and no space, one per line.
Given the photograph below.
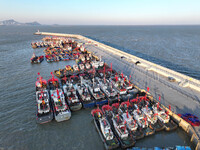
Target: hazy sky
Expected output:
[102,12]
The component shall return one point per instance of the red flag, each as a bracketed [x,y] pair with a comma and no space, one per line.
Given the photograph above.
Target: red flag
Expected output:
[148,89]
[157,105]
[159,98]
[170,107]
[38,73]
[57,92]
[127,114]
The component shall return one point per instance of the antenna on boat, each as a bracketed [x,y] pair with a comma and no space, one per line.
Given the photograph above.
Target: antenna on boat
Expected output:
[104,70]
[170,107]
[129,79]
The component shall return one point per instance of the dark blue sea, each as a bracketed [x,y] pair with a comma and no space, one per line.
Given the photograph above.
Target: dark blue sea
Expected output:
[174,47]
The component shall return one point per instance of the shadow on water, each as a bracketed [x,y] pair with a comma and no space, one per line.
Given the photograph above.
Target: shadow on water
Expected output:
[167,64]
[165,139]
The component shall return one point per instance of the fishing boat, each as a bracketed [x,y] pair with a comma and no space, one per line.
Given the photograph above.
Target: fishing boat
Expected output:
[82,67]
[142,122]
[120,129]
[75,68]
[106,72]
[87,66]
[36,59]
[104,129]
[96,92]
[126,82]
[97,64]
[164,117]
[70,93]
[59,73]
[118,83]
[44,110]
[130,122]
[62,111]
[108,89]
[124,111]
[33,45]
[140,118]
[153,119]
[84,95]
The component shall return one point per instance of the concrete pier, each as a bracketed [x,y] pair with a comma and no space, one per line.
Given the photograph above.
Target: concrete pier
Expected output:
[183,95]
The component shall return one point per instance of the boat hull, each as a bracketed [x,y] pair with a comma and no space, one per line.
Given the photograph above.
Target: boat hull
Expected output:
[75,107]
[63,116]
[158,126]
[101,102]
[138,134]
[44,119]
[113,99]
[89,104]
[171,125]
[124,142]
[148,131]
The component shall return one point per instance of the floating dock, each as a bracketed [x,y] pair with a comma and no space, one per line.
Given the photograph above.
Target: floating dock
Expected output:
[180,91]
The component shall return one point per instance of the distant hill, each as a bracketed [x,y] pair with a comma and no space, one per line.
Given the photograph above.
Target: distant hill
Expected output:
[12,22]
[35,23]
